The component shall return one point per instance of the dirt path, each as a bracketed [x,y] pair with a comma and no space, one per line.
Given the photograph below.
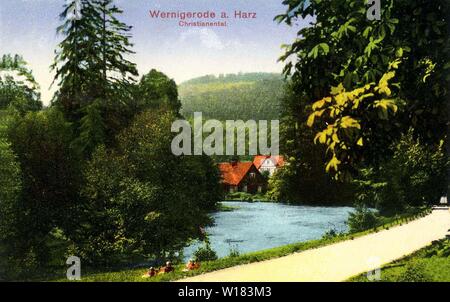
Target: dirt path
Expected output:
[342,260]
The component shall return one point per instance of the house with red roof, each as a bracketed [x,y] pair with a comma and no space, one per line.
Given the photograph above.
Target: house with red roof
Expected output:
[268,163]
[242,177]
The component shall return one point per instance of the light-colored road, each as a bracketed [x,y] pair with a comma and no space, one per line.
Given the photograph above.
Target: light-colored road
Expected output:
[342,260]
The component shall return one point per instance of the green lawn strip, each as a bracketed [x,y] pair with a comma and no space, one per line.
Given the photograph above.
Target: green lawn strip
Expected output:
[134,275]
[432,268]
[226,208]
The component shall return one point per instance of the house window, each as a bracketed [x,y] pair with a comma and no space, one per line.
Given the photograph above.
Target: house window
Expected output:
[253,175]
[245,189]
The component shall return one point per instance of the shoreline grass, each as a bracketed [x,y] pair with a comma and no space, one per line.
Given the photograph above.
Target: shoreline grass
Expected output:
[424,265]
[135,274]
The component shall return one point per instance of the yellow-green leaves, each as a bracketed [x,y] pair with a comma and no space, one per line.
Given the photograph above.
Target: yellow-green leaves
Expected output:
[384,106]
[383,85]
[360,142]
[152,216]
[429,67]
[345,29]
[348,122]
[344,113]
[333,164]
[337,90]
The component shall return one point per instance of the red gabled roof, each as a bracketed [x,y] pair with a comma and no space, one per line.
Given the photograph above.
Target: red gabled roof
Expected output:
[233,173]
[259,159]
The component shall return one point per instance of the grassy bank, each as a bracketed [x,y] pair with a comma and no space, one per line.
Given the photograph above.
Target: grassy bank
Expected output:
[226,208]
[134,275]
[246,197]
[430,264]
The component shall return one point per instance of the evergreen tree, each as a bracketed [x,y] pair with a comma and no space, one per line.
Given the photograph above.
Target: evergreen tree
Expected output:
[91,67]
[116,71]
[75,59]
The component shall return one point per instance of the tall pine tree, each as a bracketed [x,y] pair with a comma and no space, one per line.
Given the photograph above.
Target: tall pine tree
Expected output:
[92,69]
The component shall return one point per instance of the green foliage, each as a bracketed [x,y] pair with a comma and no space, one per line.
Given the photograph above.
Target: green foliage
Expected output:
[143,200]
[304,181]
[233,97]
[422,266]
[362,219]
[415,272]
[243,196]
[439,248]
[91,66]
[11,186]
[343,135]
[87,177]
[18,88]
[330,234]
[92,130]
[233,252]
[303,178]
[343,47]
[49,181]
[205,253]
[414,176]
[155,90]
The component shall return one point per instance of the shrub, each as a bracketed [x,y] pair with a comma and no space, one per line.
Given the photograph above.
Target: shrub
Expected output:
[440,248]
[234,252]
[362,219]
[414,176]
[414,272]
[330,234]
[205,253]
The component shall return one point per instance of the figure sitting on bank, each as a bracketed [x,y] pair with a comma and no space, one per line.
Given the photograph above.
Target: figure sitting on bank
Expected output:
[150,273]
[166,269]
[191,265]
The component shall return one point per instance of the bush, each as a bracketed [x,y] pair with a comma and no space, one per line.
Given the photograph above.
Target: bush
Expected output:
[414,176]
[440,248]
[205,253]
[242,196]
[414,272]
[362,219]
[234,252]
[330,234]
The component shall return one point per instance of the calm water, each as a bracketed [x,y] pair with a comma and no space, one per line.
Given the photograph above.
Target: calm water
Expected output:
[258,226]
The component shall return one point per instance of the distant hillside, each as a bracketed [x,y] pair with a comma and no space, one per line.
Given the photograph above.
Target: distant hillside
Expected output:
[234,96]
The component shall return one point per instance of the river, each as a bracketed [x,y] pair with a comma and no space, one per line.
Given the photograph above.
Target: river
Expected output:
[261,225]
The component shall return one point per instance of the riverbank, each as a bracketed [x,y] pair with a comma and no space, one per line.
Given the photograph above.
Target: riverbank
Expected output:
[430,264]
[340,261]
[134,275]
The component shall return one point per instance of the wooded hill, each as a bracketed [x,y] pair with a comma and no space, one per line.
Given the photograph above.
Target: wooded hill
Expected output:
[233,96]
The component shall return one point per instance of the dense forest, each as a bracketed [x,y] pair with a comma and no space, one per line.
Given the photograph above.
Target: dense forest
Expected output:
[245,96]
[93,175]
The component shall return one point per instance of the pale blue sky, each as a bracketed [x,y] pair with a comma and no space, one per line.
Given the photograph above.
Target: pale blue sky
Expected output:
[28,27]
